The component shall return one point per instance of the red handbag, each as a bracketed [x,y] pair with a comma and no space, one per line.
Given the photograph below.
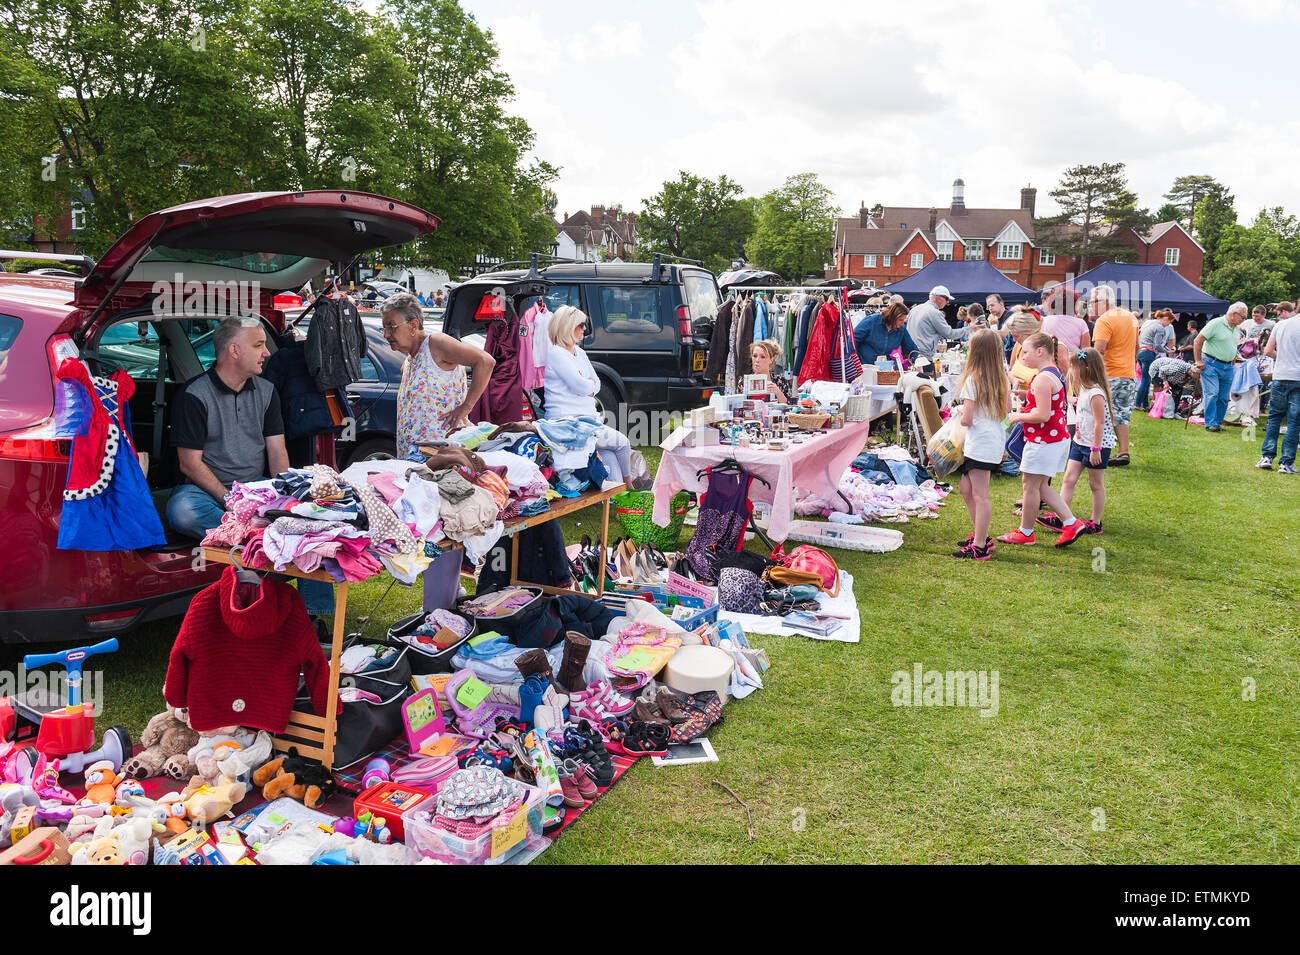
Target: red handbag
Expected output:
[813,560]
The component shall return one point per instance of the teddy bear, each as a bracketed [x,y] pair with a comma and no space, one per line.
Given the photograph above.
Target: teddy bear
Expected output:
[167,739]
[230,752]
[105,851]
[101,782]
[308,782]
[206,804]
[115,840]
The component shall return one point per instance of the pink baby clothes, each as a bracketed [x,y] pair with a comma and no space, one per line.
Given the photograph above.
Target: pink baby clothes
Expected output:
[386,484]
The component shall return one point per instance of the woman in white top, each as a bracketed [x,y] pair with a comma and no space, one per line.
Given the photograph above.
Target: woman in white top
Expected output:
[572,385]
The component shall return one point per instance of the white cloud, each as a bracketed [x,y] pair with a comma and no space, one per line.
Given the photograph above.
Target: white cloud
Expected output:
[886,103]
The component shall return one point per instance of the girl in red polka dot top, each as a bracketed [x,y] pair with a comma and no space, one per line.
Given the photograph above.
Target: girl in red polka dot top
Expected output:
[1047,442]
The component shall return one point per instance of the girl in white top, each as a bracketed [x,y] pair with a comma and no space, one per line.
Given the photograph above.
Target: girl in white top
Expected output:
[984,401]
[1094,437]
[572,385]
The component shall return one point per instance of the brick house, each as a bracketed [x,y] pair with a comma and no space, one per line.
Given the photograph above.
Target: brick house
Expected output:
[1168,243]
[888,243]
[599,235]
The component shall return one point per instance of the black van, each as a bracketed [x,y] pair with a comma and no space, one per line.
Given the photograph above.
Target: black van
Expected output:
[649,329]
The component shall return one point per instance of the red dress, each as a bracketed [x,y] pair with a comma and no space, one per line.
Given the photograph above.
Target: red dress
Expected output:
[1053,429]
[821,345]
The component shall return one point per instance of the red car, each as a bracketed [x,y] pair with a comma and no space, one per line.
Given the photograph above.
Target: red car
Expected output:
[255,246]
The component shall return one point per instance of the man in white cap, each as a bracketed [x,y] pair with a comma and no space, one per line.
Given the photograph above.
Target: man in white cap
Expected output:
[927,325]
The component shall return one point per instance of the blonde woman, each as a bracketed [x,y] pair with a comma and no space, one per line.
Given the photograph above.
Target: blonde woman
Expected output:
[763,356]
[572,385]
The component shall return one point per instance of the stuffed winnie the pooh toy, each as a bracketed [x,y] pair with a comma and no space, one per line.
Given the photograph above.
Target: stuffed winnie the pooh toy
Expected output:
[167,739]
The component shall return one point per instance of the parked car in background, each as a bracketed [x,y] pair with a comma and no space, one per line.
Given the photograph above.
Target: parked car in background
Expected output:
[648,338]
[108,318]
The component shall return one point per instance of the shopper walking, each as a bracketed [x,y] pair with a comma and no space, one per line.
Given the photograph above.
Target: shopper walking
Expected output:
[985,400]
[1094,435]
[1284,396]
[1115,336]
[1215,348]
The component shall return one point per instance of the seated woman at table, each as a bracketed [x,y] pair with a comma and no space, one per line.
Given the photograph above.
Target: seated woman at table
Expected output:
[572,385]
[763,356]
[883,334]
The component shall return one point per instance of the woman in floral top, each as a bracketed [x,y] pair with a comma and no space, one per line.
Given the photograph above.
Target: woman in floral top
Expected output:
[434,397]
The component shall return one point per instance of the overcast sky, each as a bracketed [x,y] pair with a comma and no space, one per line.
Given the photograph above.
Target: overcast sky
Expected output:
[891,103]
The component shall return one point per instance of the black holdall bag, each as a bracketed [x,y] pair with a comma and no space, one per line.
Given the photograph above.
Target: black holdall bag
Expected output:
[363,728]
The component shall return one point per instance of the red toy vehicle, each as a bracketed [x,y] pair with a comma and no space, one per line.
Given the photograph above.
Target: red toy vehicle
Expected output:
[254,246]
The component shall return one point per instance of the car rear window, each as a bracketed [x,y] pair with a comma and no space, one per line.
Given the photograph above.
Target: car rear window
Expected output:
[630,308]
[701,297]
[9,329]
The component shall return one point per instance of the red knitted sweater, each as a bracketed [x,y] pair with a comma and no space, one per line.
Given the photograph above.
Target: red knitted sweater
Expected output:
[238,655]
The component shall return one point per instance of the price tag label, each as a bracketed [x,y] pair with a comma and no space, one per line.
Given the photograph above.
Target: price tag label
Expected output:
[510,836]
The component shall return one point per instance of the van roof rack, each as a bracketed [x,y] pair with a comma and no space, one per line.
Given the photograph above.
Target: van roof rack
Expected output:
[83,262]
[533,261]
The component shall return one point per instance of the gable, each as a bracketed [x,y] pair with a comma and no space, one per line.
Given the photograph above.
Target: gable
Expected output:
[1012,232]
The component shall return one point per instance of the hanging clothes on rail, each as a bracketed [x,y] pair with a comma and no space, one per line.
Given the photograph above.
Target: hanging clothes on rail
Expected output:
[503,399]
[720,342]
[821,343]
[806,311]
[742,336]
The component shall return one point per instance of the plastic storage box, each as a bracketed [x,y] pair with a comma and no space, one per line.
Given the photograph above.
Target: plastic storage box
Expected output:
[492,847]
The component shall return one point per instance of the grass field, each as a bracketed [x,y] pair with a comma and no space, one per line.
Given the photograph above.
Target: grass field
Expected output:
[1123,731]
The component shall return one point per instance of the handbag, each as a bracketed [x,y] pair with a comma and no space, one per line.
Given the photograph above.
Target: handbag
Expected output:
[789,577]
[739,590]
[845,363]
[1158,403]
[1016,442]
[363,728]
[810,560]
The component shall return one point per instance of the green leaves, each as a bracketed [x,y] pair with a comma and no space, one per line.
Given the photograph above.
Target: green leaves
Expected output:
[1096,203]
[795,229]
[1257,264]
[148,103]
[697,218]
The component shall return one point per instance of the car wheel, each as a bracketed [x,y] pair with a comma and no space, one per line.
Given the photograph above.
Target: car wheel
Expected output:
[606,400]
[376,449]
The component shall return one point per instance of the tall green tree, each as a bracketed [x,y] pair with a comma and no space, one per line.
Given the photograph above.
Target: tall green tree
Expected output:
[464,151]
[1095,204]
[1171,213]
[795,230]
[1215,212]
[1258,264]
[1186,192]
[144,103]
[699,218]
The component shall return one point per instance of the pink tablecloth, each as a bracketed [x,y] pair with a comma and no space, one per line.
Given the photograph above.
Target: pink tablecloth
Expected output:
[815,466]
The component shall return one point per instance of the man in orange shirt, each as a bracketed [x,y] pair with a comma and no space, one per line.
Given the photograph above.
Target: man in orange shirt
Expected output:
[1115,336]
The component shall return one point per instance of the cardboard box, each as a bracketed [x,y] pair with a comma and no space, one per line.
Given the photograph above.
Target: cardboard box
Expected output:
[43,846]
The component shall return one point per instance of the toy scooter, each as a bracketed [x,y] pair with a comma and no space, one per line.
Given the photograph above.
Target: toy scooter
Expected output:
[68,732]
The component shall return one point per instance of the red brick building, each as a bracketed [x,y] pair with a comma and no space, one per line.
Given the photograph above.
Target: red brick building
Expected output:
[888,243]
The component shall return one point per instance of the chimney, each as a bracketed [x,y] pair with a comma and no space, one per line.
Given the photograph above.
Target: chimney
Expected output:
[958,197]
[598,213]
[934,217]
[863,215]
[1027,197]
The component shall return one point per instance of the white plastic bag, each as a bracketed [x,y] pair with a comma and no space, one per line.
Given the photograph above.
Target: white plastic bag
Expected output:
[946,447]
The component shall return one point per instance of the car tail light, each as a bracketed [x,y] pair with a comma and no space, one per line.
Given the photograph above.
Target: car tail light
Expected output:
[492,306]
[34,444]
[109,621]
[684,319]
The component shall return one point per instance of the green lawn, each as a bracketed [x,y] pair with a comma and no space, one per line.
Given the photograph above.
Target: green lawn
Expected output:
[1122,734]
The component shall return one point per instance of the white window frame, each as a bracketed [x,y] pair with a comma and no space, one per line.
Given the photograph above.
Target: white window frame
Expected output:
[974,249]
[1175,252]
[945,251]
[1046,257]
[868,283]
[78,211]
[917,260]
[886,261]
[868,261]
[1004,250]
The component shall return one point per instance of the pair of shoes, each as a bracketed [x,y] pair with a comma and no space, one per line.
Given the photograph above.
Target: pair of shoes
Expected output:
[1071,533]
[1092,527]
[1264,464]
[1119,460]
[659,707]
[1018,537]
[647,739]
[1051,520]
[576,783]
[1286,469]
[598,701]
[971,552]
[1208,427]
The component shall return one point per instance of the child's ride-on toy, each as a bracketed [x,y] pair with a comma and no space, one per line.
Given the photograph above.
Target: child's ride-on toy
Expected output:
[68,732]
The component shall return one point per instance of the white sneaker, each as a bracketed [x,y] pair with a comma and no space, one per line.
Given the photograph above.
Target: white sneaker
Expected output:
[1287,469]
[1264,464]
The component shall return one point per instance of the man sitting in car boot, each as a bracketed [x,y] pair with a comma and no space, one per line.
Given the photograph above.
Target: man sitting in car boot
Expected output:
[227,427]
